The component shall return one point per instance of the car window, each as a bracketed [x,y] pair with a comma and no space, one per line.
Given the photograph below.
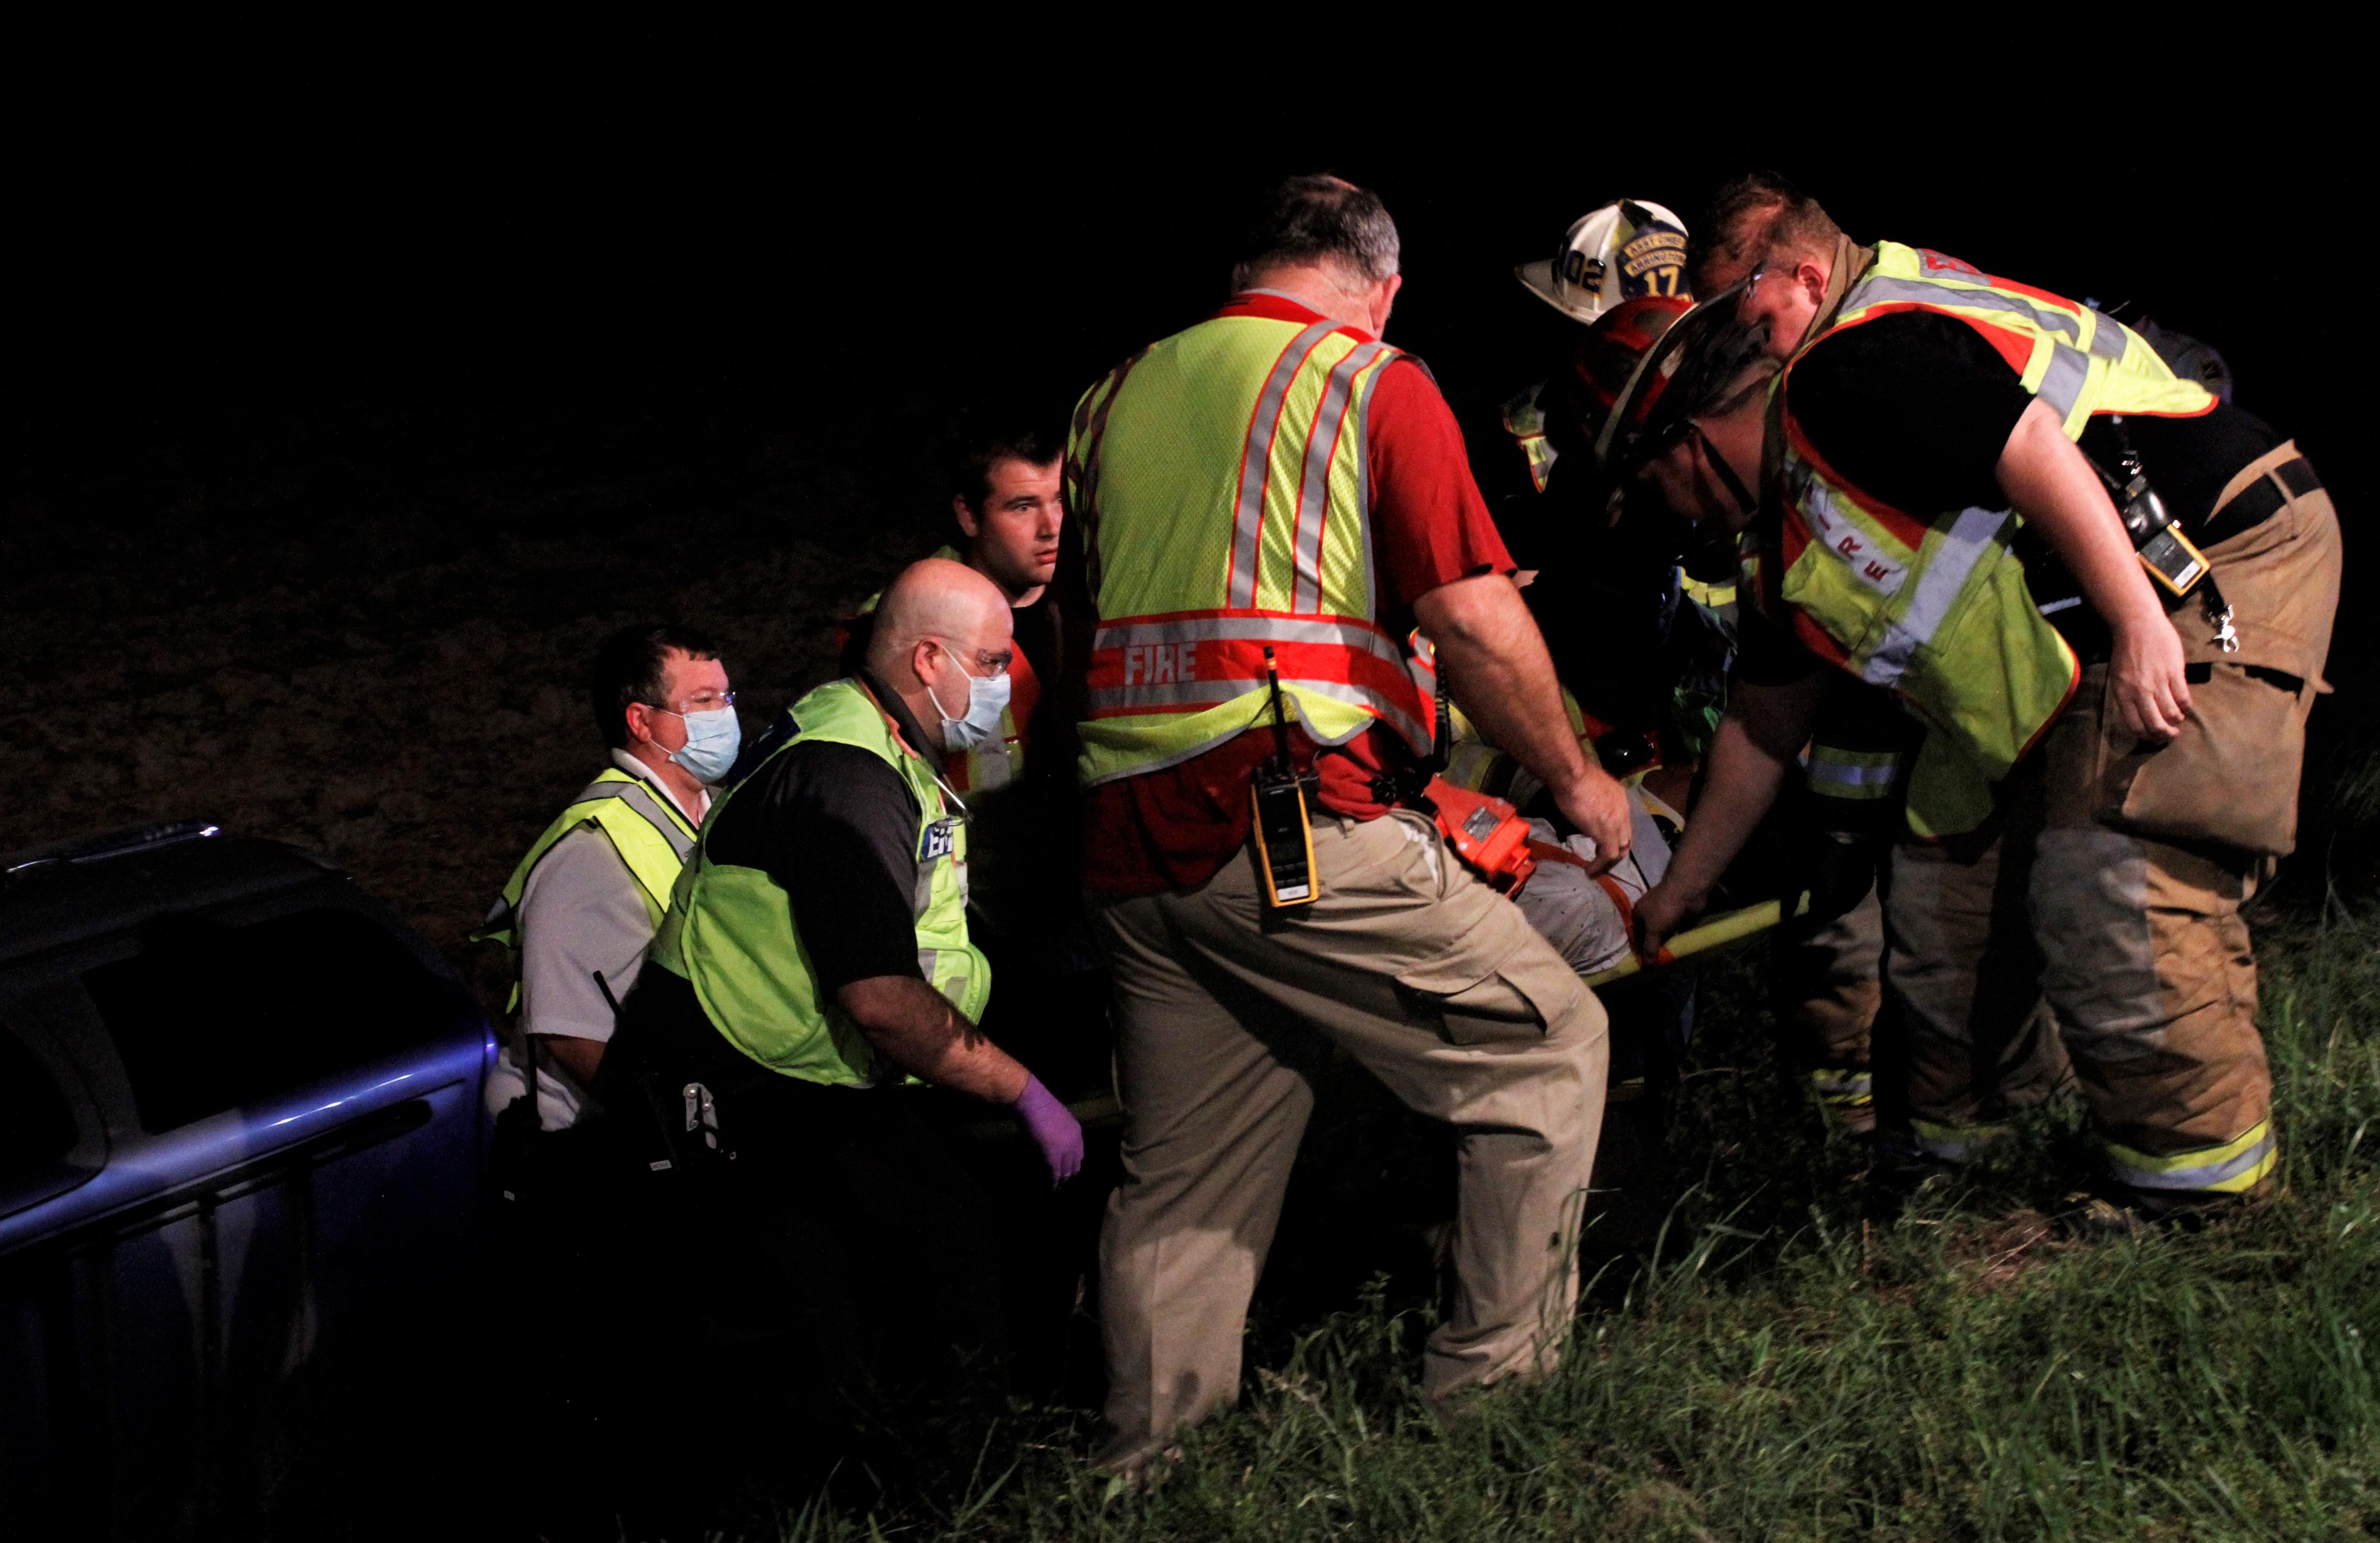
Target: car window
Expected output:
[37,1124]
[209,1016]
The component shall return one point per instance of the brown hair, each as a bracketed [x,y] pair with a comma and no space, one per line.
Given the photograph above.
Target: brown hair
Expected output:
[632,665]
[1761,215]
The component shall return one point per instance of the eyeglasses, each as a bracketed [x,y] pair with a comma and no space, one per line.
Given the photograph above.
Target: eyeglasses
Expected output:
[700,702]
[991,665]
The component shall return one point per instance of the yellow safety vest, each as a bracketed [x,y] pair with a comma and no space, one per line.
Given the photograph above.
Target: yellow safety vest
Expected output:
[730,929]
[1526,421]
[1219,477]
[643,826]
[1934,605]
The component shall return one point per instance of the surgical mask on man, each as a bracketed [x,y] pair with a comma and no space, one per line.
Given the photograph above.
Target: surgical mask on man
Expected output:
[987,699]
[712,740]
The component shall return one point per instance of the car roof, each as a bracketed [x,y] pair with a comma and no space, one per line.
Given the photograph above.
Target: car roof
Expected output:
[68,891]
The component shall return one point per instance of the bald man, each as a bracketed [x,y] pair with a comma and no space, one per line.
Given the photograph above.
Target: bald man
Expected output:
[814,950]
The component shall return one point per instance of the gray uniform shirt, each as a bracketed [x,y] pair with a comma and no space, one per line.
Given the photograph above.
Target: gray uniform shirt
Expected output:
[580,912]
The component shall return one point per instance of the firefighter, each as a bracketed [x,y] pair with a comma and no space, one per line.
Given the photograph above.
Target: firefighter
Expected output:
[2111,733]
[1625,251]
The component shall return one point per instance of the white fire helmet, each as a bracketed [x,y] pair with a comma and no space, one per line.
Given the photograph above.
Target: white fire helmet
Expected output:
[1626,248]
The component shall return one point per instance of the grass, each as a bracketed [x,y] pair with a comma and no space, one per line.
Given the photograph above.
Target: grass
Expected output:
[1788,1357]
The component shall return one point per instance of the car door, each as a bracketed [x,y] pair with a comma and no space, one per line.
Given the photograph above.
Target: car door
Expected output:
[267,1281]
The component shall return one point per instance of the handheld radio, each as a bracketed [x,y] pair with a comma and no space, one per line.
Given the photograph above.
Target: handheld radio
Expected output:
[2171,557]
[1283,828]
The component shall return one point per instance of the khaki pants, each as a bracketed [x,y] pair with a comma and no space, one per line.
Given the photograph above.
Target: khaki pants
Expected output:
[1430,980]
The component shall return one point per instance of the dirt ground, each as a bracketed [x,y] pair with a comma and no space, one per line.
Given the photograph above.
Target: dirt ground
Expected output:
[363,630]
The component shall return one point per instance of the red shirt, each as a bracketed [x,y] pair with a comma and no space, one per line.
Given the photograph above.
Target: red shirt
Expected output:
[1173,827]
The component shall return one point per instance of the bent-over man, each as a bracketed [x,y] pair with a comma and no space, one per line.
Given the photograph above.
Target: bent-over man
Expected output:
[1278,477]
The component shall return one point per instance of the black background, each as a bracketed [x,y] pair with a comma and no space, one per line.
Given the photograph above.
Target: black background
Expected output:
[358,412]
[601,250]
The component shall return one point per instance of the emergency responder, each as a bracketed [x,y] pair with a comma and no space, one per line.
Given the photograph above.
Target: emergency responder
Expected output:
[1626,251]
[2103,774]
[1276,480]
[815,948]
[583,902]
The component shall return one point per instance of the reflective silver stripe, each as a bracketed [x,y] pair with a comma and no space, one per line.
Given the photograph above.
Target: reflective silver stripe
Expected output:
[1853,774]
[1921,291]
[2061,384]
[1314,489]
[1249,629]
[1256,455]
[636,797]
[1971,535]
[2107,339]
[2205,1177]
[2069,365]
[1215,694]
[1364,496]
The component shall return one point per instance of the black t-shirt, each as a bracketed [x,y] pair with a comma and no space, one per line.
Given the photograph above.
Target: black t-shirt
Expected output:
[1915,409]
[835,828]
[1035,628]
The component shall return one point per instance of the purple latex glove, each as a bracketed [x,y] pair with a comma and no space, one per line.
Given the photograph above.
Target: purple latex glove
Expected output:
[1053,1128]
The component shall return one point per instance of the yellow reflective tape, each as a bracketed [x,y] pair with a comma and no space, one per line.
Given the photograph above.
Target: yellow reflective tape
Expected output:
[1955,1143]
[1708,596]
[1840,1086]
[2237,1164]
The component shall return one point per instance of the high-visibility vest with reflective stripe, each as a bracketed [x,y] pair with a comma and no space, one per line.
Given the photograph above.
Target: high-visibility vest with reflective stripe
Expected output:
[1526,421]
[999,760]
[2077,359]
[1936,608]
[730,931]
[1219,480]
[643,826]
[1861,776]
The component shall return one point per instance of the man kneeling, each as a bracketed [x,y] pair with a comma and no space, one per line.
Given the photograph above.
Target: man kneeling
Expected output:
[815,948]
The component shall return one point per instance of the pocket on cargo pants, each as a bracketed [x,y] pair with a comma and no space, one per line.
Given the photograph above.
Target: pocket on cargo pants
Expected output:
[1516,1001]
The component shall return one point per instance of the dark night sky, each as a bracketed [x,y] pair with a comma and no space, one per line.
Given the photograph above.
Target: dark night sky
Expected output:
[313,378]
[609,246]
[616,249]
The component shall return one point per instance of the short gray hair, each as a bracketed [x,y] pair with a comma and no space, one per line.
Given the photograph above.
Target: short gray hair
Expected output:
[1319,219]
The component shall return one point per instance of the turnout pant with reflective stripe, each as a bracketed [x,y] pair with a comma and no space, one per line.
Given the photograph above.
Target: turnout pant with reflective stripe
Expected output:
[1436,985]
[1964,970]
[1827,990]
[2138,948]
[2148,964]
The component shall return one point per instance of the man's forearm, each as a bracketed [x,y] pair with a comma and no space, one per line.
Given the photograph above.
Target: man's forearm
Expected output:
[2049,481]
[919,1029]
[1742,788]
[1760,737]
[1492,658]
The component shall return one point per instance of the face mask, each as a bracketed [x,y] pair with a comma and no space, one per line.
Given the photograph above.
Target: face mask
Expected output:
[712,740]
[987,699]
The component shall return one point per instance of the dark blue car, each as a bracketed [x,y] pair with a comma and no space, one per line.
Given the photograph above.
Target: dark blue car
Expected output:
[240,1209]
